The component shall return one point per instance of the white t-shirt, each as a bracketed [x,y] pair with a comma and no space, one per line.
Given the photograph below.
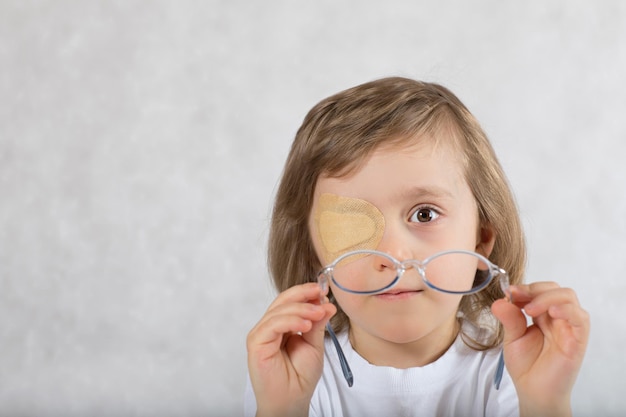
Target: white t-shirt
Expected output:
[459,383]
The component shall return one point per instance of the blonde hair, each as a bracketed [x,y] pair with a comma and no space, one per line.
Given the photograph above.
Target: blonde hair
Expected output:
[337,136]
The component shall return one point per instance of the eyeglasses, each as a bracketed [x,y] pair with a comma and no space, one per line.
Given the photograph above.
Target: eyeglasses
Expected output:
[370,272]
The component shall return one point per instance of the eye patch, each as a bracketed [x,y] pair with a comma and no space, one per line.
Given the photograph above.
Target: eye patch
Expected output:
[345,224]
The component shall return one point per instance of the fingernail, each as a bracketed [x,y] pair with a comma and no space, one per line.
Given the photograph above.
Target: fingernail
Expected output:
[518,290]
[529,306]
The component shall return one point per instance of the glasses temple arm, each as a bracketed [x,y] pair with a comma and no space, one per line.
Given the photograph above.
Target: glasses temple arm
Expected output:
[345,368]
[504,284]
[499,371]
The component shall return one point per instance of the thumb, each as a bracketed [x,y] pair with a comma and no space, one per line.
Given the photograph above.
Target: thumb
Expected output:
[511,317]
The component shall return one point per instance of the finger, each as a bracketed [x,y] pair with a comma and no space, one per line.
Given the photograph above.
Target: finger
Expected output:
[542,302]
[525,292]
[305,311]
[316,335]
[512,319]
[566,326]
[304,293]
[573,314]
[575,318]
[287,319]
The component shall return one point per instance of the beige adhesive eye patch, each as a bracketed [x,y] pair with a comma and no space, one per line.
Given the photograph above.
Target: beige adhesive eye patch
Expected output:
[345,224]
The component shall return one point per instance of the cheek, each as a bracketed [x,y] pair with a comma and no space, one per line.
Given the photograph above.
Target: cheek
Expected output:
[353,305]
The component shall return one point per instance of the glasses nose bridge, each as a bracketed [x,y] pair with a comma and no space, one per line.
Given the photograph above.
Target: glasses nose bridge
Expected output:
[415,264]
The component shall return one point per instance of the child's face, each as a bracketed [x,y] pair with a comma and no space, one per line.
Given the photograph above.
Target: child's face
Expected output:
[426,207]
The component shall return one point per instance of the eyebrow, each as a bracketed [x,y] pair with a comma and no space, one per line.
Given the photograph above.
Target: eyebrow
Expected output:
[426,191]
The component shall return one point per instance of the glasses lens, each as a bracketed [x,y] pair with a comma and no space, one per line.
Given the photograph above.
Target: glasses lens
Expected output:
[457,272]
[364,272]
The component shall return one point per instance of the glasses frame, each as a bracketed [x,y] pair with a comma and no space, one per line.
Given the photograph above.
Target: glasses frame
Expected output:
[401,266]
[420,266]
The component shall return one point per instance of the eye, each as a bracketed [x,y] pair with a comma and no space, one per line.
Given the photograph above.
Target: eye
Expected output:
[424,215]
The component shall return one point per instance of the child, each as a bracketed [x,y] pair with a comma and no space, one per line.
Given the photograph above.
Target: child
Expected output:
[400,172]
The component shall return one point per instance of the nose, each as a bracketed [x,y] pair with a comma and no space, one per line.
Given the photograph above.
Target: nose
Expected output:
[383,263]
[401,244]
[397,243]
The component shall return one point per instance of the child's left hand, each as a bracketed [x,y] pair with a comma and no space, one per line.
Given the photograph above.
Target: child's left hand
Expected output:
[544,358]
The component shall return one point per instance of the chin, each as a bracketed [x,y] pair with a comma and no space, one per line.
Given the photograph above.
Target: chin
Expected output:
[403,330]
[400,334]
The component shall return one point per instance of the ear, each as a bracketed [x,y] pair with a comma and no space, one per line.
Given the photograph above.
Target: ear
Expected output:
[485,241]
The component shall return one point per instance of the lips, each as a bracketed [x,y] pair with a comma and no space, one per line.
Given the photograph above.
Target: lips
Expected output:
[398,294]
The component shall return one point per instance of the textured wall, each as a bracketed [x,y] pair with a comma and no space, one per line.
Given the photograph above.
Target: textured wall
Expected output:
[140,146]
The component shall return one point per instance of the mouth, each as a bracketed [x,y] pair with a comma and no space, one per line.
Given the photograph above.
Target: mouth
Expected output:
[398,294]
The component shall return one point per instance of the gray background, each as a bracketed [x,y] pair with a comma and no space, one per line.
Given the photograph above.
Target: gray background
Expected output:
[141,143]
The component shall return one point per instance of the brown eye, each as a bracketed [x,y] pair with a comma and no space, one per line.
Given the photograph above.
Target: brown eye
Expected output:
[424,215]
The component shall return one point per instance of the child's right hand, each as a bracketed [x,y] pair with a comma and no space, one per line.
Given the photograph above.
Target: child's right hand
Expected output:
[286,351]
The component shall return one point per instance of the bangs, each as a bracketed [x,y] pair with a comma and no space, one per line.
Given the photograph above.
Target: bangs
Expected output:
[440,126]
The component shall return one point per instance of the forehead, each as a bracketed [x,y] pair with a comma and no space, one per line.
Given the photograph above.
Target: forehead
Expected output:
[427,168]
